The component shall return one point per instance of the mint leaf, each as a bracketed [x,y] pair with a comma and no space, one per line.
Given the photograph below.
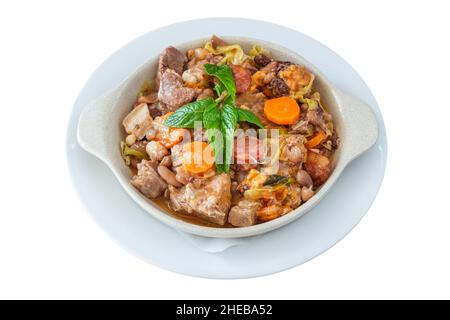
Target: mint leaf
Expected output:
[274,179]
[248,116]
[225,76]
[188,114]
[212,122]
[211,116]
[228,125]
[215,139]
[219,88]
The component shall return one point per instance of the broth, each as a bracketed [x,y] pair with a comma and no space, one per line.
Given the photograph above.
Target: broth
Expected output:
[162,203]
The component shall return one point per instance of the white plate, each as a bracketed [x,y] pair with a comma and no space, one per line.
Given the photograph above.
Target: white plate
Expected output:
[130,226]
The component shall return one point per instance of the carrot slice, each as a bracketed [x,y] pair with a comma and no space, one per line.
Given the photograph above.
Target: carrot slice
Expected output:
[317,139]
[283,110]
[198,157]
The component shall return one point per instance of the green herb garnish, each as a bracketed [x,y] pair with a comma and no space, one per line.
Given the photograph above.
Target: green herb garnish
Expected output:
[274,179]
[186,116]
[248,116]
[219,116]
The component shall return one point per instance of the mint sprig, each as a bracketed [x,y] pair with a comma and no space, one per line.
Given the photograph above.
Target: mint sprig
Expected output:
[219,117]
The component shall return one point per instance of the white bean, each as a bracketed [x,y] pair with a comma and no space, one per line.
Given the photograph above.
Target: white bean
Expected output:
[130,139]
[304,179]
[169,176]
[166,161]
[307,193]
[200,53]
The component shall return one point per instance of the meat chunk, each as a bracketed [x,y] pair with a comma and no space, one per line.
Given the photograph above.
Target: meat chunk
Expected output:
[255,103]
[315,116]
[296,77]
[171,58]
[158,109]
[318,167]
[138,121]
[244,214]
[242,78]
[148,181]
[172,92]
[271,67]
[210,201]
[281,65]
[261,60]
[279,87]
[217,42]
[301,127]
[156,151]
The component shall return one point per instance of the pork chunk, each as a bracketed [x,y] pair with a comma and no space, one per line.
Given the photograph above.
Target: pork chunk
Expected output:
[158,109]
[217,42]
[172,92]
[210,201]
[318,167]
[148,181]
[242,78]
[138,121]
[316,117]
[171,58]
[244,214]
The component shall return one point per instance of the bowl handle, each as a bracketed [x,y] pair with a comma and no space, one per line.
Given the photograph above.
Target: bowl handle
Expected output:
[361,127]
[93,125]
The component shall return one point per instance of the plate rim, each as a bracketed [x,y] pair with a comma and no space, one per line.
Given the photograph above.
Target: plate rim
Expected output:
[382,131]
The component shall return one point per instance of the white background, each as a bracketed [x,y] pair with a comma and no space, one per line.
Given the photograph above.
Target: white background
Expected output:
[49,246]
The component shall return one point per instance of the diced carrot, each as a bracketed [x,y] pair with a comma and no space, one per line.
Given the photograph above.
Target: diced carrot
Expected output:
[283,110]
[175,136]
[198,157]
[317,139]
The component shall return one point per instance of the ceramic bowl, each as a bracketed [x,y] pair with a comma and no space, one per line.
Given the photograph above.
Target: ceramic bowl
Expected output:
[100,132]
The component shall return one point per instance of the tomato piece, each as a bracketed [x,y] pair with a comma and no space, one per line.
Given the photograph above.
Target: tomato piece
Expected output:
[247,150]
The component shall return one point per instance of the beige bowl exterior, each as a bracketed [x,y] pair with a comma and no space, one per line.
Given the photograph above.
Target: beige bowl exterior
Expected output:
[100,132]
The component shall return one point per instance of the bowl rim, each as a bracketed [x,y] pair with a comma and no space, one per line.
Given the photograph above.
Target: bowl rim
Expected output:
[219,232]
